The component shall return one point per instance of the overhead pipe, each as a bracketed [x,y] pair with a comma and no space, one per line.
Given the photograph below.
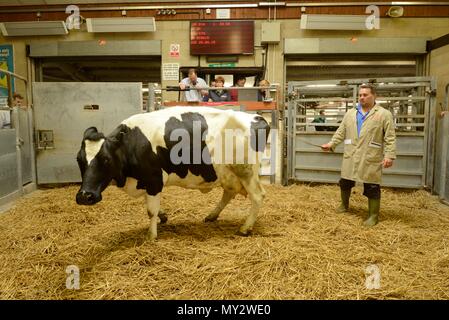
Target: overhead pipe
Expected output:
[129,8]
[354,4]
[225,6]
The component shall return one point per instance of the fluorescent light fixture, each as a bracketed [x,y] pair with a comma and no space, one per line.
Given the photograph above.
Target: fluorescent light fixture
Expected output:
[333,22]
[320,85]
[127,24]
[271,4]
[33,28]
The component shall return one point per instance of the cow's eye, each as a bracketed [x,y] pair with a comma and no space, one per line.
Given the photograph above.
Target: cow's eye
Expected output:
[106,161]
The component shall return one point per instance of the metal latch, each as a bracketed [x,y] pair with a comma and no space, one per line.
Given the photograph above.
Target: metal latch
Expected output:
[45,139]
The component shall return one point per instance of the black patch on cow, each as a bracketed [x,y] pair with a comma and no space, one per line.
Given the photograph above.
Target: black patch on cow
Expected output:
[260,130]
[203,167]
[136,158]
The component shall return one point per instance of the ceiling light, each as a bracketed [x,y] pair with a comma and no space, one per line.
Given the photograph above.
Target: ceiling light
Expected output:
[33,28]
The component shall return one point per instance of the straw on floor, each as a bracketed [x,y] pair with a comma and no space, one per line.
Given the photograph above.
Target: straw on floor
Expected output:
[300,248]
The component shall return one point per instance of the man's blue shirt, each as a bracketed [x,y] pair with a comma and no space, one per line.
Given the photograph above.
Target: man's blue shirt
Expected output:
[360,118]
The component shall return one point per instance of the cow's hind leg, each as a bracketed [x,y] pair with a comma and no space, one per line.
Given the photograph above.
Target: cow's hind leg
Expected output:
[227,196]
[256,194]
[162,216]
[153,207]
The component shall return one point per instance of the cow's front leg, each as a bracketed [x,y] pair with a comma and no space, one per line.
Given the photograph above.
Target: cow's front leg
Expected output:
[153,207]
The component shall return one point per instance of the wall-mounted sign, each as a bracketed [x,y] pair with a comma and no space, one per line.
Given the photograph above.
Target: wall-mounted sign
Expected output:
[223,37]
[223,14]
[170,71]
[174,50]
[6,63]
[222,65]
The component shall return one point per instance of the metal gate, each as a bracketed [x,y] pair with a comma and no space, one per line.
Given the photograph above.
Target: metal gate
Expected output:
[412,103]
[63,110]
[441,186]
[16,155]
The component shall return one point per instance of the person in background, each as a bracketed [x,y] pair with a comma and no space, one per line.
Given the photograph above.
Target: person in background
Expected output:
[320,119]
[239,82]
[206,98]
[17,101]
[369,145]
[263,94]
[219,94]
[5,115]
[193,81]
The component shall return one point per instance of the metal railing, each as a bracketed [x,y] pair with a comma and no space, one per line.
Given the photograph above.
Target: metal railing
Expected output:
[154,99]
[17,125]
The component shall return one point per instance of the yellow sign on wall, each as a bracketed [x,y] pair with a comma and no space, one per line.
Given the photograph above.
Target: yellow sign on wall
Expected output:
[6,63]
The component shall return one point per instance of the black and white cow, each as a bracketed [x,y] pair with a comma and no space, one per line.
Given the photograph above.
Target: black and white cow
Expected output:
[181,146]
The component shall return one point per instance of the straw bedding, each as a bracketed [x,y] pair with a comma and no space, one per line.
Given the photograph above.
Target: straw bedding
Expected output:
[300,248]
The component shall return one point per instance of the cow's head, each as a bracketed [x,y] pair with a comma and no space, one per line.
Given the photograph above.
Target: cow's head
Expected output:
[100,160]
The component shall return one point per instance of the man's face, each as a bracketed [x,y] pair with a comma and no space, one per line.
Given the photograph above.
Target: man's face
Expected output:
[366,97]
[241,83]
[17,102]
[192,78]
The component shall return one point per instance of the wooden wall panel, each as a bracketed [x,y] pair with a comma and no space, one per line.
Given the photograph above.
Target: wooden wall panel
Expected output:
[259,13]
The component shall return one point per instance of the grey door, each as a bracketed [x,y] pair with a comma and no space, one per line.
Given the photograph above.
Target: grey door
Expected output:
[63,110]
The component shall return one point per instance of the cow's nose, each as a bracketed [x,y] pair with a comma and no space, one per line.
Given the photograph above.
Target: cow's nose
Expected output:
[85,197]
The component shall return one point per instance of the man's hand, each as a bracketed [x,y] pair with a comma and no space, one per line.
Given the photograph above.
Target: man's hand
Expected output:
[182,86]
[326,147]
[387,163]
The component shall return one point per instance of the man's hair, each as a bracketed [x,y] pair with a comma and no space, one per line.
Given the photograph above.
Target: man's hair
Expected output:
[321,111]
[369,86]
[17,95]
[238,78]
[192,71]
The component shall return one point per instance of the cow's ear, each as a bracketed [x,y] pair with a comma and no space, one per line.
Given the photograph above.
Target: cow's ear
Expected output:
[92,134]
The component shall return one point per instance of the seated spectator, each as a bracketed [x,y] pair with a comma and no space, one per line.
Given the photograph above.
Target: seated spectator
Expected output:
[263,94]
[240,82]
[219,94]
[193,81]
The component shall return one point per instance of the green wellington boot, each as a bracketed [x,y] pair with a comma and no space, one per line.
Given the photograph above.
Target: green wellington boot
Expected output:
[373,213]
[344,206]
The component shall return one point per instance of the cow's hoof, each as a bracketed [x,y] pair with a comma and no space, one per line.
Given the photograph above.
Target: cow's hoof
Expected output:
[150,237]
[163,217]
[244,234]
[210,219]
